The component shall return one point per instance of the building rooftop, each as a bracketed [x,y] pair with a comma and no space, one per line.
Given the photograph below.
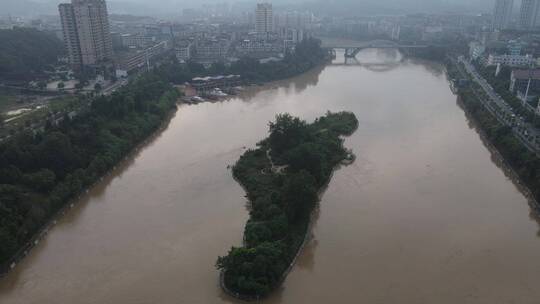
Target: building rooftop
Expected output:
[526,74]
[210,78]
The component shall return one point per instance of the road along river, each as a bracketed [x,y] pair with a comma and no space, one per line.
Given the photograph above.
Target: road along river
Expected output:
[424,215]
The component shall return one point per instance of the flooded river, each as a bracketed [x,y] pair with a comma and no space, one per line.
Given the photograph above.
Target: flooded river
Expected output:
[424,215]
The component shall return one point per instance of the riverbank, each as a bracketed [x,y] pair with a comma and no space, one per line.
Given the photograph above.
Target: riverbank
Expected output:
[501,162]
[283,178]
[64,175]
[250,90]
[43,231]
[523,166]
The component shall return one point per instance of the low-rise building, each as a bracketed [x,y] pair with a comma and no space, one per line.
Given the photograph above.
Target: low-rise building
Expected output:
[510,60]
[205,84]
[184,50]
[258,48]
[137,41]
[212,49]
[515,47]
[476,50]
[292,36]
[135,60]
[519,80]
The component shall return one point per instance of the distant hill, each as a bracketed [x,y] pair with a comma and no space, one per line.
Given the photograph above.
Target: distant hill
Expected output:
[24,52]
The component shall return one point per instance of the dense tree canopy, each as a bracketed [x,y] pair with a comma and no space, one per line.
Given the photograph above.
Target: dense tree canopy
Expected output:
[40,172]
[25,51]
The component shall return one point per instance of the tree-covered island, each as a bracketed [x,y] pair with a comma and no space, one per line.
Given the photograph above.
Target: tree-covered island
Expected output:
[282,177]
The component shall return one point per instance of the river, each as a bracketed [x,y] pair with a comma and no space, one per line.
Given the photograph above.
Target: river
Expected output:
[425,215]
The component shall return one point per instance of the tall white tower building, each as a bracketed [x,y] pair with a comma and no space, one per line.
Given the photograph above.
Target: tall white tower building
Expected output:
[264,18]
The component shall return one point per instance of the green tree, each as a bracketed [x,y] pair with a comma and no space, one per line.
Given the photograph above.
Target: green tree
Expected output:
[286,132]
[308,157]
[42,85]
[43,180]
[25,52]
[299,195]
[218,68]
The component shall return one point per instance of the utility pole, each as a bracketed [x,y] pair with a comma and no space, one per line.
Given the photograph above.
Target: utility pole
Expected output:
[527,91]
[147,60]
[528,84]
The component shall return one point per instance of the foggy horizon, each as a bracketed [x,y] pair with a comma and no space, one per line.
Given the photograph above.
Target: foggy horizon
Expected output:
[341,7]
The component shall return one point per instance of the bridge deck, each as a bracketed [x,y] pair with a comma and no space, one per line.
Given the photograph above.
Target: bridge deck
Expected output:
[374,46]
[336,43]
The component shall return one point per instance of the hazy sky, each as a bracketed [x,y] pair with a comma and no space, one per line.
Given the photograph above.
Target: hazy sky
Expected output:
[358,7]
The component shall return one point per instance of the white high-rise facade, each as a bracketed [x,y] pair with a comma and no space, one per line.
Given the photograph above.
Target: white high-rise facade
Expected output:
[85,25]
[528,18]
[264,18]
[502,14]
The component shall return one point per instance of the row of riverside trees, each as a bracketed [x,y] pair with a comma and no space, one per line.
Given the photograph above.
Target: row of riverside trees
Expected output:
[282,178]
[41,171]
[525,163]
[501,84]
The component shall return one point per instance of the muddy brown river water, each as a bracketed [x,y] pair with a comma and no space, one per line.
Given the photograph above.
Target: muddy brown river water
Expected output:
[424,215]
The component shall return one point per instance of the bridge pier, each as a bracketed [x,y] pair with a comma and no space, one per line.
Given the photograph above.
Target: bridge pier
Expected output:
[352,52]
[332,53]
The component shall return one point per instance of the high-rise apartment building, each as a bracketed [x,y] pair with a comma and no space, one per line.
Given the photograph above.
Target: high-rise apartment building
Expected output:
[529,14]
[71,38]
[502,14]
[264,18]
[85,25]
[296,20]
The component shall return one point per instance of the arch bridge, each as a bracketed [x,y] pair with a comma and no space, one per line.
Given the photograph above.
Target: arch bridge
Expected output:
[353,48]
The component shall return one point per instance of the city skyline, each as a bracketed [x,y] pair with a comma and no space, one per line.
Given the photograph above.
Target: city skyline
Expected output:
[174,7]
